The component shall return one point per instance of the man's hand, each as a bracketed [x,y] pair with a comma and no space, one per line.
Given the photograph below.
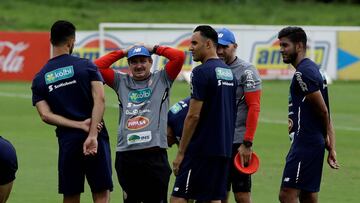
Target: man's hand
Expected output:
[90,145]
[245,155]
[177,162]
[85,125]
[331,159]
[100,126]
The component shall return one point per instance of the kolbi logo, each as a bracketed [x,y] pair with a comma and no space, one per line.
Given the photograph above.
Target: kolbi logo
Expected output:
[10,59]
[59,74]
[223,74]
[139,96]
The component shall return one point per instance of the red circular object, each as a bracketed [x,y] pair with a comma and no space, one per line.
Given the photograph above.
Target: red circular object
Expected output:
[251,168]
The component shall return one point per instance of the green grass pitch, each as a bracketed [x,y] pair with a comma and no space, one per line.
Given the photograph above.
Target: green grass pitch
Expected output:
[37,148]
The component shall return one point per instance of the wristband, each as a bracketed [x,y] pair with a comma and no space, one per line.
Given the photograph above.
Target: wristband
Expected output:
[155,49]
[247,143]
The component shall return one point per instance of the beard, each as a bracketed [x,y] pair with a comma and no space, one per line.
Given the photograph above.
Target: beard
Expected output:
[290,58]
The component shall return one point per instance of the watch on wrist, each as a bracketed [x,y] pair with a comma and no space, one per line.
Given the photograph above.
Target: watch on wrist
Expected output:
[247,143]
[155,49]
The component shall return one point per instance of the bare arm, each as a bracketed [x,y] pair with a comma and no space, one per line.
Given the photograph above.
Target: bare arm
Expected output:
[190,124]
[97,90]
[51,118]
[320,107]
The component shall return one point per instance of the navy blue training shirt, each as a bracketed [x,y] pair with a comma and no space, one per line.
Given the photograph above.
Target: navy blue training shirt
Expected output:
[214,83]
[305,127]
[65,83]
[177,115]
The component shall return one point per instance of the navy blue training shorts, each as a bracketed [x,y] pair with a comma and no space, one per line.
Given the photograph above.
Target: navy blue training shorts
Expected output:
[303,169]
[143,175]
[8,162]
[240,182]
[202,178]
[74,166]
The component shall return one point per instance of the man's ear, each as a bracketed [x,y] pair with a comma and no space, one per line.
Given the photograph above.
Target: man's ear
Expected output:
[299,47]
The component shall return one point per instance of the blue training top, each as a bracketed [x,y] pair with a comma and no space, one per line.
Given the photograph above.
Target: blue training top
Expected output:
[177,115]
[65,83]
[305,128]
[214,83]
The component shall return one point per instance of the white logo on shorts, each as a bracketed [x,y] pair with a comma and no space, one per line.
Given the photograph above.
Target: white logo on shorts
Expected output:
[286,179]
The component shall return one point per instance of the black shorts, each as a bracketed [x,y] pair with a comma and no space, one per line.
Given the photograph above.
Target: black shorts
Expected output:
[240,182]
[303,168]
[74,166]
[143,175]
[202,178]
[8,162]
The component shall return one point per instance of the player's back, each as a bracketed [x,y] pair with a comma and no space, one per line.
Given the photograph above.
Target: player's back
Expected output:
[65,83]
[214,83]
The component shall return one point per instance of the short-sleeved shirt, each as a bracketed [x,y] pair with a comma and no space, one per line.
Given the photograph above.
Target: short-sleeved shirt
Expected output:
[306,129]
[248,79]
[143,111]
[214,83]
[65,84]
[176,117]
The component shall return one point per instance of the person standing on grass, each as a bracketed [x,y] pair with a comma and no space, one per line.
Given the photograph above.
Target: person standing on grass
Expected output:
[68,92]
[310,127]
[248,95]
[141,162]
[202,163]
[8,168]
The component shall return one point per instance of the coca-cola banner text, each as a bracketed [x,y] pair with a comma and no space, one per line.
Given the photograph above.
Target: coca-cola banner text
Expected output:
[22,54]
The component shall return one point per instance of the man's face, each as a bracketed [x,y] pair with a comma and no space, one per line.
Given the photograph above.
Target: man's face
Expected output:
[226,52]
[140,67]
[197,46]
[288,50]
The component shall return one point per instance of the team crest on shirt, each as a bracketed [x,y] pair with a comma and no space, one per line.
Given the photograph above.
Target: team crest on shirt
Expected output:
[59,74]
[139,96]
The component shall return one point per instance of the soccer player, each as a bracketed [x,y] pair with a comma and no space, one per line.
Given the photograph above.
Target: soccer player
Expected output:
[141,158]
[8,168]
[202,163]
[310,127]
[248,108]
[68,92]
[176,117]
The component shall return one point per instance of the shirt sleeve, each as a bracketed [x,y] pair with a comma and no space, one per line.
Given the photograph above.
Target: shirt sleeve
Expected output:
[198,85]
[307,82]
[176,60]
[251,79]
[37,92]
[94,73]
[104,63]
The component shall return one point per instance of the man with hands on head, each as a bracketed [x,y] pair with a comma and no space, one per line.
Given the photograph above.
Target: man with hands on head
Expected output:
[141,157]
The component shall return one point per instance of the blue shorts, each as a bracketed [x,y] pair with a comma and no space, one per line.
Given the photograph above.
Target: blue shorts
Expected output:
[143,175]
[303,169]
[8,162]
[240,182]
[74,166]
[202,178]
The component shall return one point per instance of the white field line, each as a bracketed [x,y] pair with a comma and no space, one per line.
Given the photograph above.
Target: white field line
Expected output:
[263,120]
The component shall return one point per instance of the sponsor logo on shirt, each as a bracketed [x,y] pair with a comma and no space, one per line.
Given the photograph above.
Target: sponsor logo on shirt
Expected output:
[59,74]
[302,84]
[64,84]
[250,83]
[140,137]
[223,74]
[137,123]
[139,96]
[178,106]
[137,111]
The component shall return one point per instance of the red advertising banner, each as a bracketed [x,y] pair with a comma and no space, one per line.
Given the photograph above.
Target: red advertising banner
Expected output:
[22,54]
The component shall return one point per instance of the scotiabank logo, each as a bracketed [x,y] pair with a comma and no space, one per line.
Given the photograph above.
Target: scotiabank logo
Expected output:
[11,60]
[137,123]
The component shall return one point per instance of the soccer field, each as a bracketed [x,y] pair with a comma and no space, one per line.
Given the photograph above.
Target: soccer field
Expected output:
[37,148]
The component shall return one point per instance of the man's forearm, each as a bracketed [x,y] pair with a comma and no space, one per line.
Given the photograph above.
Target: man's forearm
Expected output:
[190,124]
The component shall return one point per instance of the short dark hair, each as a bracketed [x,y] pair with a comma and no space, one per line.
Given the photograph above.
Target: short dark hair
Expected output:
[208,32]
[295,35]
[61,31]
